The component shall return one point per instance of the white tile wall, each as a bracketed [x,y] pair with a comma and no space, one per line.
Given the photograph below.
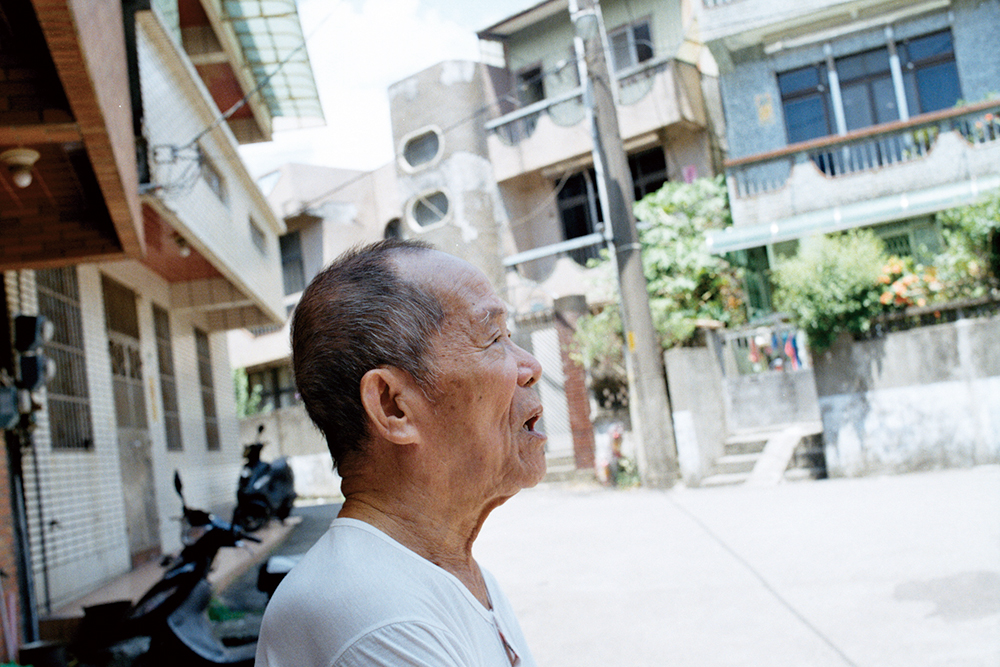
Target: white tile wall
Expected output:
[81,490]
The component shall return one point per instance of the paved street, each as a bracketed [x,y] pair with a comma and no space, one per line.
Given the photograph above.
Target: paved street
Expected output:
[901,570]
[878,572]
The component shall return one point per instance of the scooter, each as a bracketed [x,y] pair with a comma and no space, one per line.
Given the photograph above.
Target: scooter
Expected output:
[264,490]
[173,612]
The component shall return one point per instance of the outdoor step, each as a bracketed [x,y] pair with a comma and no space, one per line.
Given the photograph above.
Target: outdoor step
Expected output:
[724,479]
[747,443]
[736,463]
[560,468]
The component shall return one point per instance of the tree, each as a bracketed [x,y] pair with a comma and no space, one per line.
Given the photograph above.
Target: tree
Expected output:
[686,282]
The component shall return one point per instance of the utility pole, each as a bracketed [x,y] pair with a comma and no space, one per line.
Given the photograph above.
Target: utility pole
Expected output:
[648,401]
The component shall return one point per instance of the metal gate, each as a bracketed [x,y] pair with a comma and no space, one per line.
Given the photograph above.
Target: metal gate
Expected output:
[134,446]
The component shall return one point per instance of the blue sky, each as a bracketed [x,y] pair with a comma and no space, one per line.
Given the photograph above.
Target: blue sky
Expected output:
[358,48]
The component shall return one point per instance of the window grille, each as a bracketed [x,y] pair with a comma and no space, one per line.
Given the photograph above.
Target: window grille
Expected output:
[168,379]
[204,355]
[68,397]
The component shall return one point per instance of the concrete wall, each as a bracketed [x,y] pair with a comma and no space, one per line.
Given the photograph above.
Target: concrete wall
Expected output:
[694,379]
[765,399]
[81,489]
[443,99]
[289,432]
[913,400]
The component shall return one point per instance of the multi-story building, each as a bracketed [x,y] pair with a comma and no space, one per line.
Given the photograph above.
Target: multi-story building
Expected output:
[326,211]
[495,164]
[845,114]
[143,238]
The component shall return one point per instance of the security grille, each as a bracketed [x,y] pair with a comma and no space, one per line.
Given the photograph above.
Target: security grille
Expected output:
[204,354]
[68,397]
[168,379]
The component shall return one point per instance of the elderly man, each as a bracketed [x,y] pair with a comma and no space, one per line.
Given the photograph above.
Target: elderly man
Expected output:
[404,362]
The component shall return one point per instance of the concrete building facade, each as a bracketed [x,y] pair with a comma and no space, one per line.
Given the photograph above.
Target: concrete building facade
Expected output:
[158,241]
[841,114]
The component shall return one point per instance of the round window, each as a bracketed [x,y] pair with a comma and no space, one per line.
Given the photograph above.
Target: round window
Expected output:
[430,208]
[421,148]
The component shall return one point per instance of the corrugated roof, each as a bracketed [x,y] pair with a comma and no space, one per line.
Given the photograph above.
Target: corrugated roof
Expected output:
[273,44]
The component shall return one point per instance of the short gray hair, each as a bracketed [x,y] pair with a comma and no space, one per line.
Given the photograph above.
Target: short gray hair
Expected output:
[359,314]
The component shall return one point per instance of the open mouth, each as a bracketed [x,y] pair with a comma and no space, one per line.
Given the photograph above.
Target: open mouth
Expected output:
[530,424]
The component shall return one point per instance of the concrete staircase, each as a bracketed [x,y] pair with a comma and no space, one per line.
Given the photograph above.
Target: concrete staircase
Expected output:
[561,468]
[784,452]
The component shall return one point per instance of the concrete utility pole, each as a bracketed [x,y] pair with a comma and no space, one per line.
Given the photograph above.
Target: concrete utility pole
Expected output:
[657,451]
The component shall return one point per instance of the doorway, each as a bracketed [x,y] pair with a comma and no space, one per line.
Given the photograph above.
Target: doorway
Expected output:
[134,445]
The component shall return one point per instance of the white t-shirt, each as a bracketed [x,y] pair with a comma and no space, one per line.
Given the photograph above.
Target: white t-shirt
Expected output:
[358,597]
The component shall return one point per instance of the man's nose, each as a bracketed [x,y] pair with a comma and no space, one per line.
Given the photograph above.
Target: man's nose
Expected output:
[529,369]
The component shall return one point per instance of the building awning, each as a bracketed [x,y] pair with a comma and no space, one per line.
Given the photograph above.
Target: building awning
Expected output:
[273,45]
[859,214]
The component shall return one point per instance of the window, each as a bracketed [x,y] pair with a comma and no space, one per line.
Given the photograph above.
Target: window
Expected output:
[579,210]
[631,45]
[422,149]
[68,396]
[393,230]
[258,236]
[168,379]
[214,180]
[918,238]
[275,386]
[805,99]
[203,353]
[930,77]
[866,89]
[649,171]
[430,208]
[530,86]
[293,273]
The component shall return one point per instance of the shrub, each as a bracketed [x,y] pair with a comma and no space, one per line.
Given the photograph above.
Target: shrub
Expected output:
[832,285]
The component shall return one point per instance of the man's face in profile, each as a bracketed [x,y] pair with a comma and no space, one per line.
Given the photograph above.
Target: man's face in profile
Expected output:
[482,412]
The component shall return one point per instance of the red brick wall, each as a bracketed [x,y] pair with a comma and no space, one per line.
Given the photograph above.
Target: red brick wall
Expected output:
[8,553]
[575,378]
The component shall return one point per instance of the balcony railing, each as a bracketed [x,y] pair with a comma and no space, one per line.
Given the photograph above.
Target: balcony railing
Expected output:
[567,108]
[864,150]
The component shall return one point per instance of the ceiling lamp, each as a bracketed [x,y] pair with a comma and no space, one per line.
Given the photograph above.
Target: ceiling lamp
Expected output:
[20,161]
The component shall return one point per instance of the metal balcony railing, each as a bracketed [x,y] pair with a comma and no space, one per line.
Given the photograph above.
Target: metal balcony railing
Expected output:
[870,149]
[567,108]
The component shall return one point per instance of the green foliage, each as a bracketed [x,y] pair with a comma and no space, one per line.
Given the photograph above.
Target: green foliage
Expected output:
[832,285]
[686,282]
[969,266]
[247,401]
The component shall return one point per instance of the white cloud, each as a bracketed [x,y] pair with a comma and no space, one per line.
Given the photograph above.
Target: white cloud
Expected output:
[357,50]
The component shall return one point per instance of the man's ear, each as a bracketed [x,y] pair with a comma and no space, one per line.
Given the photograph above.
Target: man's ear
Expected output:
[386,394]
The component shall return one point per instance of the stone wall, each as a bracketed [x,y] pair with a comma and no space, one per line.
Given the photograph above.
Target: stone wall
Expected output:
[912,400]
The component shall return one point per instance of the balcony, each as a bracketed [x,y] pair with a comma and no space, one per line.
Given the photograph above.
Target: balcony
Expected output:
[778,24]
[883,173]
[660,93]
[210,231]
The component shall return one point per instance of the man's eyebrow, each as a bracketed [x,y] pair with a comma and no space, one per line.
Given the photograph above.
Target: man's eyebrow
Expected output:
[494,313]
